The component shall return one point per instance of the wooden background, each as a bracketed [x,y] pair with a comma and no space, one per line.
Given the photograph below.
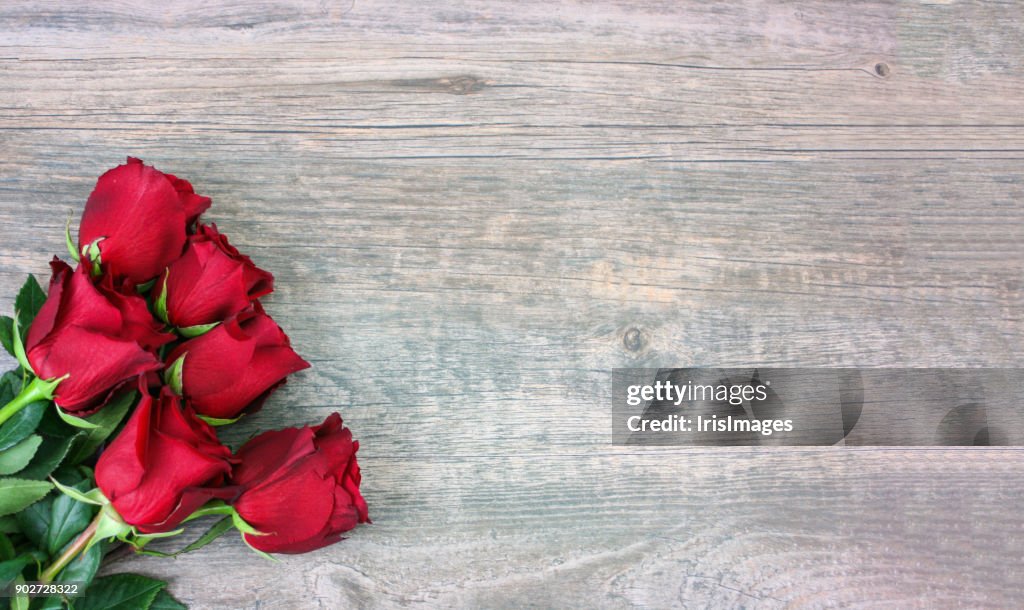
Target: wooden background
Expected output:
[476,209]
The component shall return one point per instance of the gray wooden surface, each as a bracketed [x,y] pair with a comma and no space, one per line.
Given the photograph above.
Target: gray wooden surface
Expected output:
[476,209]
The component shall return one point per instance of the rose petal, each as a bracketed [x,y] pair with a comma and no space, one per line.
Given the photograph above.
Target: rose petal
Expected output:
[137,213]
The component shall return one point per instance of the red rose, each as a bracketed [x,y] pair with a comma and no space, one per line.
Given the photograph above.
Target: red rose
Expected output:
[139,217]
[164,465]
[236,365]
[194,204]
[300,487]
[211,281]
[138,323]
[98,337]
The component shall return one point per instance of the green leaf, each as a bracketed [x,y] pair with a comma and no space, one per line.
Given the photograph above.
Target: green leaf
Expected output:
[106,421]
[194,331]
[7,333]
[20,602]
[55,521]
[18,494]
[73,420]
[166,601]
[11,569]
[68,518]
[84,567]
[50,455]
[120,592]
[35,520]
[10,385]
[17,457]
[30,298]
[54,602]
[9,525]
[21,424]
[6,548]
[52,425]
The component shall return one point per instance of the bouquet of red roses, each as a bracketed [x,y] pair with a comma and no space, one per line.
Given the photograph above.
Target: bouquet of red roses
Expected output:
[127,366]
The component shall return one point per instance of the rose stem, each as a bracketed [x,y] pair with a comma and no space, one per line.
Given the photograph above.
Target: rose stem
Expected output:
[36,390]
[76,547]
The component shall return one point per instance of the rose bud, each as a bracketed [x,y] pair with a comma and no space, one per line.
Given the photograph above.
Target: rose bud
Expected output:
[98,338]
[300,487]
[136,220]
[235,366]
[211,281]
[163,465]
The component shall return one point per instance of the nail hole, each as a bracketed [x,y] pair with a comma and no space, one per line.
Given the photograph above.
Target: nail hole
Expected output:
[882,69]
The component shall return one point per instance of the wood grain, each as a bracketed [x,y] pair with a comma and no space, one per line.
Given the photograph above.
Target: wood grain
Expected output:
[477,209]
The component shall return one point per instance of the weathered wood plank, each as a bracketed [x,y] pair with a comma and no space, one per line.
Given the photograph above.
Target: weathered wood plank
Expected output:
[476,210]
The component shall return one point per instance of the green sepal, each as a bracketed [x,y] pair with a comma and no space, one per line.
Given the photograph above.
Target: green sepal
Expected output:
[160,304]
[72,420]
[93,496]
[194,331]
[110,525]
[138,540]
[213,507]
[215,531]
[72,249]
[262,554]
[172,375]
[145,286]
[19,346]
[91,252]
[150,553]
[217,421]
[244,528]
